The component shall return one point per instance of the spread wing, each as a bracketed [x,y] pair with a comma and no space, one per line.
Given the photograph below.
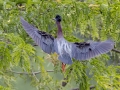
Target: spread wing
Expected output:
[87,50]
[44,40]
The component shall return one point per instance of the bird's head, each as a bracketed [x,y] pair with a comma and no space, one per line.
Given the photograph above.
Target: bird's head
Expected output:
[58,18]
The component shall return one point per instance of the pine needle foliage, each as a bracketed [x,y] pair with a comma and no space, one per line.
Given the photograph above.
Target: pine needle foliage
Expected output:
[81,20]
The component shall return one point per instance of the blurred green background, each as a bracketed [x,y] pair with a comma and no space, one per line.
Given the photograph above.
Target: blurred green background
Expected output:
[82,20]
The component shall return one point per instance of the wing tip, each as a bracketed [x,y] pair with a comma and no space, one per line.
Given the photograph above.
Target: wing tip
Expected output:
[102,48]
[21,19]
[111,42]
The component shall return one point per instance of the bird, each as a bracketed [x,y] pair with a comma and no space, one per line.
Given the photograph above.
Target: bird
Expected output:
[66,50]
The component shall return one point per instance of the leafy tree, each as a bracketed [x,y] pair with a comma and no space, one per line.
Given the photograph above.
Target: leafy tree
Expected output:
[82,20]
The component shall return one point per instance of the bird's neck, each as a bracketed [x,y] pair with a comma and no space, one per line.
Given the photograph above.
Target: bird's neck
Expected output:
[59,33]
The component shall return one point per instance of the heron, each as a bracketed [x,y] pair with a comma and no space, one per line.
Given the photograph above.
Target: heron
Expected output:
[66,50]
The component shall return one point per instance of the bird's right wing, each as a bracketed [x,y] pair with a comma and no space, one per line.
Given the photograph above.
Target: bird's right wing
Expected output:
[87,50]
[44,40]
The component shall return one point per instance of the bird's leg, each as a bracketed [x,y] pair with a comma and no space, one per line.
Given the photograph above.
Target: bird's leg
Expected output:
[63,67]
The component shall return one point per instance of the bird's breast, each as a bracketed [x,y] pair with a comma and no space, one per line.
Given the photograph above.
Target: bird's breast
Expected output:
[63,46]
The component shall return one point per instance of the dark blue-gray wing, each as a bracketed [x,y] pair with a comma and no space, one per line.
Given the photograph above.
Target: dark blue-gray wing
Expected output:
[87,50]
[44,40]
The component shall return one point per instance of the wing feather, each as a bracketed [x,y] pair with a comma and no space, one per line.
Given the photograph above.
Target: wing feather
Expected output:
[87,50]
[44,40]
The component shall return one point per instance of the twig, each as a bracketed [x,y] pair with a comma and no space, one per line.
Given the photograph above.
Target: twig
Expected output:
[35,76]
[91,87]
[29,73]
[117,51]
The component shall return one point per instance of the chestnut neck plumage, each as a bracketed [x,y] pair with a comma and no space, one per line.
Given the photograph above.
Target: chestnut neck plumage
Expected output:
[59,33]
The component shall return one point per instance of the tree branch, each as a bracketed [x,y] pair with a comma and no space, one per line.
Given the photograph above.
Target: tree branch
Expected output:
[91,87]
[29,73]
[35,76]
[117,51]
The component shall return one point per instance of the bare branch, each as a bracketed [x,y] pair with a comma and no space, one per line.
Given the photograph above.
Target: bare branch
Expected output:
[117,51]
[35,76]
[29,73]
[91,87]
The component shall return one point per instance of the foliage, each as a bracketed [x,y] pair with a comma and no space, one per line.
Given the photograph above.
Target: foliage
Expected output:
[4,88]
[82,20]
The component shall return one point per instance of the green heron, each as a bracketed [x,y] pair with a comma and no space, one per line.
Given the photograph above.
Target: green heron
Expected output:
[66,50]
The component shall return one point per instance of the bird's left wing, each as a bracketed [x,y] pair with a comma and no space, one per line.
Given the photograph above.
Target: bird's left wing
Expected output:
[87,50]
[44,40]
